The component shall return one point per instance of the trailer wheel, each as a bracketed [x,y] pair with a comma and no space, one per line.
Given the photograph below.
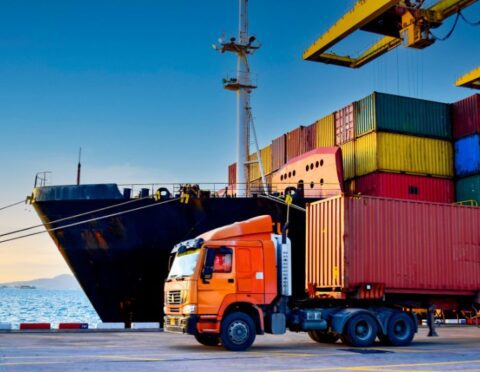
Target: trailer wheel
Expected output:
[238,331]
[324,337]
[207,339]
[400,330]
[360,331]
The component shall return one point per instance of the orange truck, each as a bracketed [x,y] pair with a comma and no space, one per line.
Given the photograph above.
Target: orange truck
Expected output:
[363,279]
[234,283]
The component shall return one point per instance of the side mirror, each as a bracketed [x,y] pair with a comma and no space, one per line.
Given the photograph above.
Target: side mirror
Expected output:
[207,270]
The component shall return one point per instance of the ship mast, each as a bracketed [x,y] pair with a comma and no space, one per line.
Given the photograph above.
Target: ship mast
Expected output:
[243,86]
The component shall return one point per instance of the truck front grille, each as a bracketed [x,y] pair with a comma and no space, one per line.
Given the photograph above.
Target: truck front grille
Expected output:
[174,297]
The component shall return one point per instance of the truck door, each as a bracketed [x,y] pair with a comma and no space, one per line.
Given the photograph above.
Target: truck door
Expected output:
[249,270]
[212,291]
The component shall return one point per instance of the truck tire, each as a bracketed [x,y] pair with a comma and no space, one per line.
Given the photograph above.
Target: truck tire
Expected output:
[360,331]
[207,339]
[400,330]
[324,337]
[238,331]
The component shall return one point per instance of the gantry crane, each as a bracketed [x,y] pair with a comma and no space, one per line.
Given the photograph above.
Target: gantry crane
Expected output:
[398,21]
[470,80]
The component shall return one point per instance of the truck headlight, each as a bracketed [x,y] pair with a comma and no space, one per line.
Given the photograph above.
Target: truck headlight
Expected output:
[190,309]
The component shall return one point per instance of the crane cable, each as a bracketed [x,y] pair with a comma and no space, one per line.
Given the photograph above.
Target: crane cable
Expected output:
[459,15]
[449,32]
[87,221]
[12,205]
[471,23]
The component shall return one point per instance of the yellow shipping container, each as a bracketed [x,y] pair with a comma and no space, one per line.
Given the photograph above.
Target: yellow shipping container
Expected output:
[401,153]
[266,155]
[254,172]
[348,160]
[325,129]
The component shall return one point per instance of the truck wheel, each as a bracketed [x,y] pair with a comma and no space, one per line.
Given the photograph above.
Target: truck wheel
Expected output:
[360,331]
[238,331]
[323,337]
[400,330]
[207,339]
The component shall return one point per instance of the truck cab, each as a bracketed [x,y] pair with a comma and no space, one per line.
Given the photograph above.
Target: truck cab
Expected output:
[220,284]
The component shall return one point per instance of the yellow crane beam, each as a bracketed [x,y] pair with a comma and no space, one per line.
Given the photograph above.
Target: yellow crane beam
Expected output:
[398,21]
[362,13]
[447,8]
[470,80]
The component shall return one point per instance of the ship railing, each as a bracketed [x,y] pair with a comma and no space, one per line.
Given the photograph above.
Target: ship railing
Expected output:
[221,189]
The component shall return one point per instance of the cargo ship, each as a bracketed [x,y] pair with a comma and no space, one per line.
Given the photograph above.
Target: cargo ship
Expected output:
[117,241]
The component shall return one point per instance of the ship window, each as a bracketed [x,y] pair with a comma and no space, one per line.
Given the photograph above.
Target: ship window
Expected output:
[285,176]
[281,177]
[289,174]
[312,185]
[311,166]
[294,173]
[306,168]
[317,164]
[222,263]
[321,181]
[321,162]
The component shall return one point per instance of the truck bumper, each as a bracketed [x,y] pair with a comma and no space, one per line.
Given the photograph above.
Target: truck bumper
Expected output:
[180,323]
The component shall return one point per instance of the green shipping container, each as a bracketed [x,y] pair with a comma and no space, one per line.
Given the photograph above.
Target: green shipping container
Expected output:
[397,114]
[468,189]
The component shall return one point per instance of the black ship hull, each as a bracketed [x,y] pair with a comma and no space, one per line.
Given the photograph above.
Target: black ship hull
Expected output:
[121,261]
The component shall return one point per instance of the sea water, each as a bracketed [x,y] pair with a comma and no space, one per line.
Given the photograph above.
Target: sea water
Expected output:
[45,305]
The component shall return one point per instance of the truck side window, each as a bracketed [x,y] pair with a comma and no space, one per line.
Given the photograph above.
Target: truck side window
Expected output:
[222,263]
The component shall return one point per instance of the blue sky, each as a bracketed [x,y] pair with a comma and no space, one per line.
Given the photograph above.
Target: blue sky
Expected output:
[138,87]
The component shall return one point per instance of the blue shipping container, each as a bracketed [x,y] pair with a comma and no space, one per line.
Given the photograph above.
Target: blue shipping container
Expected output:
[467,156]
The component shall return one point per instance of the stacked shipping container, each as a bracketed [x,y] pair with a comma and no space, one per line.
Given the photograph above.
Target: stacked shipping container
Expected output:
[392,146]
[395,138]
[466,132]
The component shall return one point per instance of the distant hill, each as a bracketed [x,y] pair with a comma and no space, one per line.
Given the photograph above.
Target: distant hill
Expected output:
[64,281]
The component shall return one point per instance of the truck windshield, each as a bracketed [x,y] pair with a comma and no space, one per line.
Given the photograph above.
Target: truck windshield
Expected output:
[184,264]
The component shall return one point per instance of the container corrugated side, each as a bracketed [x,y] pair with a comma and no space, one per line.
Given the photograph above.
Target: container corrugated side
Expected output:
[466,116]
[404,186]
[391,152]
[253,169]
[398,114]
[325,128]
[411,247]
[468,189]
[266,155]
[294,142]
[467,156]
[279,156]
[344,125]
[232,174]
[348,160]
[309,138]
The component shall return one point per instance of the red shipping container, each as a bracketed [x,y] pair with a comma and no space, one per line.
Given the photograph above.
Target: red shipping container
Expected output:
[294,142]
[232,174]
[466,116]
[279,156]
[403,246]
[344,126]
[403,186]
[309,138]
